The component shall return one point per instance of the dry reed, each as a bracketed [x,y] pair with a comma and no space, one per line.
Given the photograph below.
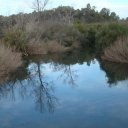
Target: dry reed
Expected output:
[9,60]
[45,48]
[118,52]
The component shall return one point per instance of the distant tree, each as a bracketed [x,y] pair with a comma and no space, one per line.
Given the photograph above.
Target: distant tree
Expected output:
[88,6]
[88,14]
[113,16]
[105,12]
[65,13]
[126,18]
[39,5]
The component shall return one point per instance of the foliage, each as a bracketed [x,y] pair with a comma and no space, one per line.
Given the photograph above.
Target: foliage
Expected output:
[100,36]
[69,27]
[64,34]
[109,33]
[15,38]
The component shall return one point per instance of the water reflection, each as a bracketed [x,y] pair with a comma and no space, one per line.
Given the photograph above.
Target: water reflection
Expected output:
[65,62]
[30,82]
[68,75]
[73,86]
[71,58]
[44,96]
[115,72]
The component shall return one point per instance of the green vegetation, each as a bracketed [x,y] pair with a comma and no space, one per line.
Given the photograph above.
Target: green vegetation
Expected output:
[77,35]
[100,36]
[63,29]
[15,38]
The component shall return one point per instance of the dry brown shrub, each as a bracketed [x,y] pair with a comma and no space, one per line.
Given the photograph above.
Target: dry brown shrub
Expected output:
[9,60]
[54,47]
[118,52]
[45,48]
[36,49]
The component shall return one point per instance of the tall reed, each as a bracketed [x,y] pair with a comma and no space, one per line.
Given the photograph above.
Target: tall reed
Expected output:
[9,60]
[117,52]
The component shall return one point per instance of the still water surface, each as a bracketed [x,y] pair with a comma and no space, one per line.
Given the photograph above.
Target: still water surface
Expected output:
[65,92]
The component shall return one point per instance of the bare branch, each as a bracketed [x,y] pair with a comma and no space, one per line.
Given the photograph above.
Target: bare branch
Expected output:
[39,5]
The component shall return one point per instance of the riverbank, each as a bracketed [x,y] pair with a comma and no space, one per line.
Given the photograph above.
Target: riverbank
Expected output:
[108,40]
[39,33]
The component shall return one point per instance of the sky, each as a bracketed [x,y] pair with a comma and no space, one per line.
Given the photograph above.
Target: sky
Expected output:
[8,7]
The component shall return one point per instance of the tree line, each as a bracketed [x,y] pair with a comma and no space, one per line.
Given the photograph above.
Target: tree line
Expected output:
[65,14]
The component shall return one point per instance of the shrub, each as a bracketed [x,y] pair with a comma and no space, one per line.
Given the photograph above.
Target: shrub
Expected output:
[100,36]
[80,27]
[117,52]
[15,38]
[45,48]
[64,34]
[9,60]
[88,38]
[109,33]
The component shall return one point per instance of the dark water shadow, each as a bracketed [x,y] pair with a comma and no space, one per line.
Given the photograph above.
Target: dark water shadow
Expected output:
[115,72]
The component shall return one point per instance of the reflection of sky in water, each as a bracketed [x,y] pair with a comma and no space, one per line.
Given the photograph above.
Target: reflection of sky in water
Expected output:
[90,102]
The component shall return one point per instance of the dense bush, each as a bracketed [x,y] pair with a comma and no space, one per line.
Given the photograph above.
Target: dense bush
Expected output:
[66,35]
[109,33]
[15,38]
[93,36]
[100,36]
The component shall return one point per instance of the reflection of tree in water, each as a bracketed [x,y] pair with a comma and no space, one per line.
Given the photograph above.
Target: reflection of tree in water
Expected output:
[44,97]
[68,74]
[31,84]
[69,58]
[115,72]
[65,62]
[30,81]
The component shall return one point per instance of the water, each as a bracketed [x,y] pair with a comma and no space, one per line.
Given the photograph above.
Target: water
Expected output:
[69,91]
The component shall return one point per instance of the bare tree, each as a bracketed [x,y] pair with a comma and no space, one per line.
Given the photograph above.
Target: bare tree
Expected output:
[39,5]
